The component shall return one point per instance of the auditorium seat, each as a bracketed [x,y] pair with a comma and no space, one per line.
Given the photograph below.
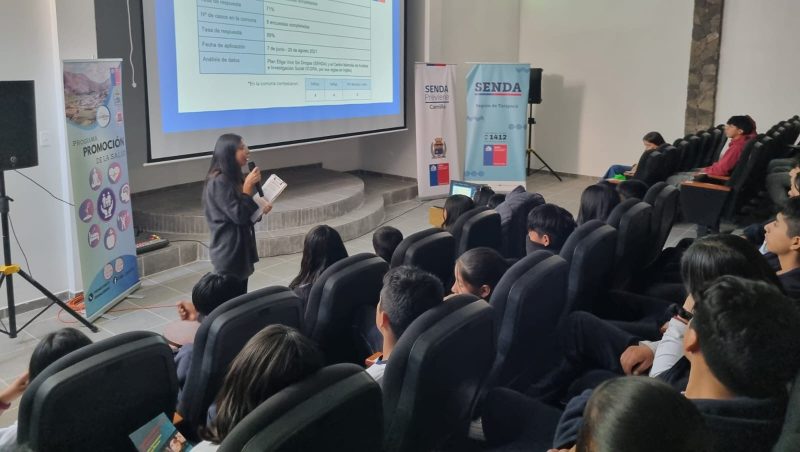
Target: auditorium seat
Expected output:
[529,302]
[592,242]
[435,373]
[789,441]
[706,202]
[514,220]
[221,336]
[432,250]
[664,198]
[475,228]
[340,315]
[651,168]
[94,397]
[337,408]
[631,218]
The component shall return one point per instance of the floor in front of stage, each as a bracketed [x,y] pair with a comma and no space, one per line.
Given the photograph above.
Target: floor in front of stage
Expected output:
[163,290]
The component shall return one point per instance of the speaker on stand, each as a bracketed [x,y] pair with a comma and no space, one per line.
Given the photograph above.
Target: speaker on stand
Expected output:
[18,149]
[535,97]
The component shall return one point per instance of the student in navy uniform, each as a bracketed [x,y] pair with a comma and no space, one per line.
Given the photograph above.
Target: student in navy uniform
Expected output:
[322,247]
[228,207]
[782,238]
[549,227]
[407,293]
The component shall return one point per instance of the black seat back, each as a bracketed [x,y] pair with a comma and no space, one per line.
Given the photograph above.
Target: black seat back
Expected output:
[789,441]
[665,201]
[94,397]
[432,250]
[340,315]
[592,242]
[695,153]
[337,408]
[529,302]
[652,168]
[221,336]
[435,372]
[632,219]
[478,228]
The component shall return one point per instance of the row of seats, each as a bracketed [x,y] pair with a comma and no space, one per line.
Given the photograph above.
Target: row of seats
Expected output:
[706,203]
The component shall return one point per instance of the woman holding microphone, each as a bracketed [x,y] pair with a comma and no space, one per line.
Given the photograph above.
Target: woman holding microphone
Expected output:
[228,206]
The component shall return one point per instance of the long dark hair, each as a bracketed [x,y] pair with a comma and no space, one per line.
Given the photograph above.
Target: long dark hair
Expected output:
[223,160]
[597,202]
[322,247]
[653,137]
[276,357]
[617,405]
[454,207]
[713,256]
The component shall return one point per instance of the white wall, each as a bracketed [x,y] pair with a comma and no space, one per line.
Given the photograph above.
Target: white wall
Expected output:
[759,67]
[28,30]
[613,70]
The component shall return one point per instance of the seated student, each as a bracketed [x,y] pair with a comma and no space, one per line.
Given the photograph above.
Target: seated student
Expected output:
[549,226]
[737,330]
[740,130]
[385,241]
[322,248]
[48,350]
[664,420]
[597,202]
[782,238]
[589,343]
[496,200]
[211,290]
[632,188]
[407,293]
[779,179]
[276,357]
[454,207]
[651,141]
[478,271]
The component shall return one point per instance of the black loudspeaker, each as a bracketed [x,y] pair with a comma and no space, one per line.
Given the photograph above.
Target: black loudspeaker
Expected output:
[18,145]
[535,88]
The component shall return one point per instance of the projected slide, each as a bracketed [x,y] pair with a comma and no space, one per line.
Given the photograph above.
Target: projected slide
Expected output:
[305,69]
[282,53]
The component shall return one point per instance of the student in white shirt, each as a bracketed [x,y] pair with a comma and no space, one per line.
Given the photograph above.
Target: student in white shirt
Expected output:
[407,293]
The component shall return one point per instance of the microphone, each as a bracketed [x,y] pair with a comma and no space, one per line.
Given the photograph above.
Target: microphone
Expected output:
[251,166]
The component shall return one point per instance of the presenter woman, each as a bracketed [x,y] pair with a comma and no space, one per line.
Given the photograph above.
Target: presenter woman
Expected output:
[228,206]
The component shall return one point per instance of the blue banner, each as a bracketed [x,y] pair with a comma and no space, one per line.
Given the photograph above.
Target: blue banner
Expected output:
[99,167]
[497,98]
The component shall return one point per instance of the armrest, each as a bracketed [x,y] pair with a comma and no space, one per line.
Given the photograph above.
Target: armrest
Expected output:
[177,418]
[372,358]
[613,181]
[719,178]
[629,173]
[706,186]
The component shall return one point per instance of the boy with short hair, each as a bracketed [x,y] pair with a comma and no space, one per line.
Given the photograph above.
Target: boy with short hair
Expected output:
[407,293]
[549,226]
[782,238]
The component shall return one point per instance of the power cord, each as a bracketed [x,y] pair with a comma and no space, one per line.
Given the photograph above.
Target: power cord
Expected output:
[27,264]
[43,188]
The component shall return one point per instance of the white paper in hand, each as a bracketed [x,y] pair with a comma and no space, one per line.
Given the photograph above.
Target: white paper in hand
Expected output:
[272,188]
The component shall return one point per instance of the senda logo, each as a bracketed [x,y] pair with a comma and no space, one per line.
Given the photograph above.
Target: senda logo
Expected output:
[498,89]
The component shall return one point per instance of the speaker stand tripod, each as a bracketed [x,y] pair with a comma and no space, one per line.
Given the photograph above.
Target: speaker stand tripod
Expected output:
[8,270]
[530,151]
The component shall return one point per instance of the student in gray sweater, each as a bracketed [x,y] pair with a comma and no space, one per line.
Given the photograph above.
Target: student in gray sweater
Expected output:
[228,206]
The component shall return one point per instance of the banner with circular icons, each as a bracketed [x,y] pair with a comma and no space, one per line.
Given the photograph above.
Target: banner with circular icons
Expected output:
[99,168]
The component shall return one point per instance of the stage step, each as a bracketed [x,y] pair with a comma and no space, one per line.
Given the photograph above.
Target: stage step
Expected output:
[376,193]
